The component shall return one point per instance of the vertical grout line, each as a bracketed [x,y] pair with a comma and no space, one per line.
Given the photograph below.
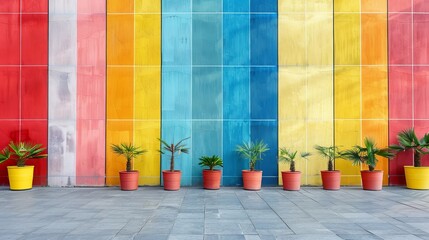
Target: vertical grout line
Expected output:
[20,74]
[360,76]
[160,89]
[134,75]
[306,88]
[105,92]
[412,66]
[388,85]
[249,76]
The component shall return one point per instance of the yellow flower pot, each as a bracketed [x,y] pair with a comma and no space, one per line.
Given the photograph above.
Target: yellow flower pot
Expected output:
[417,177]
[20,178]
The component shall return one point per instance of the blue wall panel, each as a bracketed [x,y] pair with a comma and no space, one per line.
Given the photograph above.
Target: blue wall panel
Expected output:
[176,39]
[234,133]
[235,5]
[267,131]
[263,39]
[207,93]
[206,6]
[263,6]
[236,39]
[169,6]
[236,92]
[263,96]
[207,39]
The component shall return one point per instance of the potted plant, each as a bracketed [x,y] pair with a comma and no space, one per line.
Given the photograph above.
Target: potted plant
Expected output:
[416,177]
[211,176]
[130,178]
[331,178]
[252,151]
[172,177]
[371,179]
[21,175]
[292,178]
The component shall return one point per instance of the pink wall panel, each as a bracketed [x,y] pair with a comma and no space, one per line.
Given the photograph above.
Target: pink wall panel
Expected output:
[91,78]
[400,89]
[35,6]
[421,5]
[34,39]
[421,93]
[34,90]
[400,5]
[9,40]
[9,92]
[421,38]
[396,169]
[400,38]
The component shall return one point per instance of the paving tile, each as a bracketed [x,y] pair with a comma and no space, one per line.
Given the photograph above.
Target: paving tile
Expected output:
[359,237]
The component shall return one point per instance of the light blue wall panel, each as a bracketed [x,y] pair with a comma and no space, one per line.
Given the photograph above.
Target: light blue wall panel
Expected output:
[206,5]
[176,39]
[206,141]
[234,133]
[207,39]
[176,93]
[236,44]
[206,92]
[263,39]
[169,6]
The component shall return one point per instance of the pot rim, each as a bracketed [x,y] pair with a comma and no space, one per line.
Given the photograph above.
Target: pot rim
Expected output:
[289,172]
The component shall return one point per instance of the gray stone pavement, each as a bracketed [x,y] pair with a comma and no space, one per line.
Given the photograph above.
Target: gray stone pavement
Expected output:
[226,214]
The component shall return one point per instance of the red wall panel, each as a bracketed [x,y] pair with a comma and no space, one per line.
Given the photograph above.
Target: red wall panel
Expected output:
[421,38]
[400,38]
[35,6]
[34,92]
[9,40]
[400,88]
[9,131]
[9,6]
[34,39]
[9,92]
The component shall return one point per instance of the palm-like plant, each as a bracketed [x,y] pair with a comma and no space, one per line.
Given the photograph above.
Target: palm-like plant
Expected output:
[408,140]
[4,154]
[129,151]
[22,151]
[330,153]
[252,151]
[211,162]
[289,156]
[178,148]
[366,155]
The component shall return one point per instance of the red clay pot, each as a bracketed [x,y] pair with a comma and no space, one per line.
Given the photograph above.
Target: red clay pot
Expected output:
[372,180]
[331,179]
[291,180]
[252,180]
[211,179]
[129,180]
[171,180]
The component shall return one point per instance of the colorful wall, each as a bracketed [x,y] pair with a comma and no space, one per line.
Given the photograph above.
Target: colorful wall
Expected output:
[79,75]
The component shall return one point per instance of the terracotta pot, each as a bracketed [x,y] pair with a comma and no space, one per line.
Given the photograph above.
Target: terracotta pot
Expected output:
[211,179]
[129,180]
[417,177]
[372,180]
[252,180]
[171,180]
[291,180]
[331,179]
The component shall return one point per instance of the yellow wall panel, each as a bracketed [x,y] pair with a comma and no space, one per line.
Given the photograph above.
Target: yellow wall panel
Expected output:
[292,93]
[320,133]
[120,6]
[120,85]
[287,6]
[292,39]
[374,93]
[147,6]
[348,134]
[320,97]
[146,134]
[347,5]
[147,93]
[148,39]
[347,39]
[347,92]
[319,6]
[117,132]
[120,39]
[292,136]
[378,131]
[319,40]
[374,5]
[374,39]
